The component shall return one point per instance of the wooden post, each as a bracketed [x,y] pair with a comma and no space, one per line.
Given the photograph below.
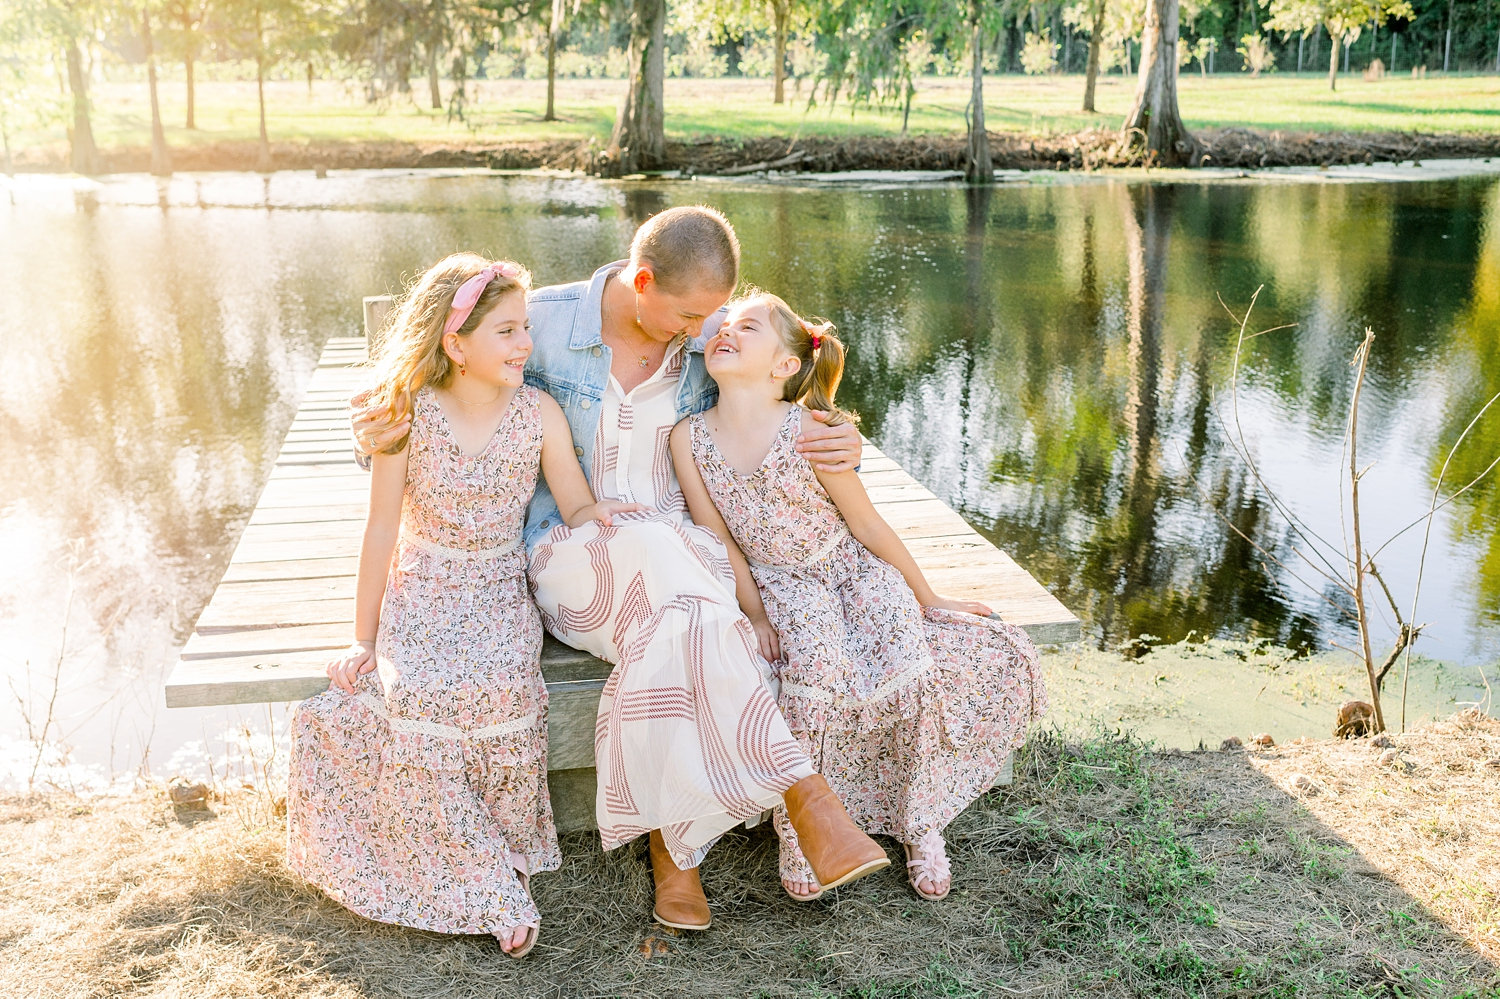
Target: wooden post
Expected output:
[377,308]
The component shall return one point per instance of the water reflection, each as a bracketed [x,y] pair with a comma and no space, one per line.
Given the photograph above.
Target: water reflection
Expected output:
[1044,357]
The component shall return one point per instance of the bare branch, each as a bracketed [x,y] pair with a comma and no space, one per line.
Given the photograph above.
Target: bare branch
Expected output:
[1361,359]
[1237,441]
[1373,571]
[1452,496]
[1265,552]
[1427,536]
[1405,636]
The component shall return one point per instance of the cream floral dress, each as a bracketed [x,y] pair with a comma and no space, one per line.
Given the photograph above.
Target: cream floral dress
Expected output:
[909,712]
[413,800]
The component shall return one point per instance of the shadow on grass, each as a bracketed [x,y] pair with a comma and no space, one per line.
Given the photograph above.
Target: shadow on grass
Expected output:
[1106,870]
[1378,107]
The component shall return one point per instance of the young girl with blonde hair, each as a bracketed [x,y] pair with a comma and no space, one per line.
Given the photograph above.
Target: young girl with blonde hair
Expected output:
[417,791]
[908,702]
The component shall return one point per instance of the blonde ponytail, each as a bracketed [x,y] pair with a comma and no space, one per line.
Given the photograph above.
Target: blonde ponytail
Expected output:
[817,382]
[820,352]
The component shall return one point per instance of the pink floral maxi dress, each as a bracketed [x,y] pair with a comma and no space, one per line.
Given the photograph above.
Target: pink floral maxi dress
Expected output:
[908,712]
[411,800]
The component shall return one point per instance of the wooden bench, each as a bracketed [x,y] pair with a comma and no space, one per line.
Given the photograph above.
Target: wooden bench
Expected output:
[286,602]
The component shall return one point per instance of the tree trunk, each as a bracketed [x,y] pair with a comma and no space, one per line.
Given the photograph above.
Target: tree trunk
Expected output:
[434,83]
[1154,124]
[554,28]
[10,167]
[1092,74]
[263,159]
[639,141]
[187,65]
[551,114]
[1333,60]
[978,167]
[1448,37]
[161,160]
[309,79]
[1301,40]
[84,154]
[782,9]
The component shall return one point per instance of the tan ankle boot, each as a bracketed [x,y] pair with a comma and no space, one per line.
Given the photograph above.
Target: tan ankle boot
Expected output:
[836,848]
[679,894]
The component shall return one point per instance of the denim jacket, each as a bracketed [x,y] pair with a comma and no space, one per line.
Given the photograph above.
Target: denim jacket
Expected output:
[570,362]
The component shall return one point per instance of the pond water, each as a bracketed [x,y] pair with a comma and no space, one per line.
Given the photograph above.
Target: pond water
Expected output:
[1053,358]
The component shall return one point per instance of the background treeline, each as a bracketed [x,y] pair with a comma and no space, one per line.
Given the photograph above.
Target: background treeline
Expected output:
[809,50]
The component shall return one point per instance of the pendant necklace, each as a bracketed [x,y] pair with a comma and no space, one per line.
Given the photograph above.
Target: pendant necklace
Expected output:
[645,358]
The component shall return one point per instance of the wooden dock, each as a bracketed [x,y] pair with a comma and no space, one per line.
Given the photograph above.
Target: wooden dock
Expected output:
[286,602]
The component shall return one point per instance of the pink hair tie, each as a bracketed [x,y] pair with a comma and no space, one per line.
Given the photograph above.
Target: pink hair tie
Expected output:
[817,340]
[469,292]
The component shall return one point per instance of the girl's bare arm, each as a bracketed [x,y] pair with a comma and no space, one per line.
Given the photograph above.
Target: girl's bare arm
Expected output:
[870,529]
[382,527]
[575,500]
[701,507]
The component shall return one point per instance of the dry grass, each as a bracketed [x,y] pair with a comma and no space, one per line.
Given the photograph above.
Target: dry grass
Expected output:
[1107,870]
[1421,811]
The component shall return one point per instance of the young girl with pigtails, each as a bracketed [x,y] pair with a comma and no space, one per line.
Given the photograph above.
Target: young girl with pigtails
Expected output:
[909,703]
[417,791]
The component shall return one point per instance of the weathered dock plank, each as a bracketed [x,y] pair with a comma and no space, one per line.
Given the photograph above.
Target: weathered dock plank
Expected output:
[286,601]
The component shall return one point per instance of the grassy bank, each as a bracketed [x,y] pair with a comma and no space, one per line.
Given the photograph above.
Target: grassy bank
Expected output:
[334,124]
[1317,869]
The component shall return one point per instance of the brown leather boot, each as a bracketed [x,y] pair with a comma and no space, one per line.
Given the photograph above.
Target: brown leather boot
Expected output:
[836,848]
[679,894]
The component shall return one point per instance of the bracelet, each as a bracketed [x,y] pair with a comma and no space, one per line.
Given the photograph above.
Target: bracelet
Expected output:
[362,643]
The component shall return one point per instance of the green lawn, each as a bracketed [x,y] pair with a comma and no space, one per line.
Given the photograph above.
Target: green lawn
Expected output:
[511,110]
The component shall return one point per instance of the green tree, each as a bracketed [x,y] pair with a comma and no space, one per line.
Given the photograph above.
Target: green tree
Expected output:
[978,167]
[869,55]
[1091,13]
[184,38]
[65,25]
[264,31]
[1153,123]
[1344,19]
[729,19]
[639,141]
[28,96]
[161,160]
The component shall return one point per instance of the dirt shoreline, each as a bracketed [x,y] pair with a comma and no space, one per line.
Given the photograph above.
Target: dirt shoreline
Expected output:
[1088,150]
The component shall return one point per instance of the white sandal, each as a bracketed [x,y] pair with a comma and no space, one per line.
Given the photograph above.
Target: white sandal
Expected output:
[932,866]
[795,868]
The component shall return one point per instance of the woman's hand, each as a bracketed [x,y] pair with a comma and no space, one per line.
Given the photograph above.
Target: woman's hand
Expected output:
[765,635]
[962,606]
[370,424]
[604,512]
[831,449]
[358,659]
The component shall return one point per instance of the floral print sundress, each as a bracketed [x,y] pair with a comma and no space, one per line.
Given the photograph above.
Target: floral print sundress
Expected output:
[908,712]
[414,800]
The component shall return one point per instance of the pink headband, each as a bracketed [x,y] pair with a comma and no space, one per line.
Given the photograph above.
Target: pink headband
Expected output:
[469,292]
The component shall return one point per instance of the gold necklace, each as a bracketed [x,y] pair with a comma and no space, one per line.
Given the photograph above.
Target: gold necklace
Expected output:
[464,402]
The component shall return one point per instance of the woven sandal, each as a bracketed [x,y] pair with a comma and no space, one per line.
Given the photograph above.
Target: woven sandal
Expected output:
[932,866]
